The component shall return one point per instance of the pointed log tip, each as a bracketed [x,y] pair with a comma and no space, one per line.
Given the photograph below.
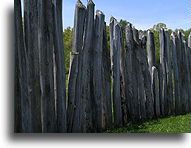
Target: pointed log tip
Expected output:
[112,19]
[80,4]
[173,34]
[98,12]
[129,25]
[90,2]
[154,68]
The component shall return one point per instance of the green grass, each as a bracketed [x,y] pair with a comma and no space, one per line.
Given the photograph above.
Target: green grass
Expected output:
[174,124]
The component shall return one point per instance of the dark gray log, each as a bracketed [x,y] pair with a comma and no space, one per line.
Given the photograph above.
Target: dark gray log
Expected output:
[128,66]
[148,108]
[151,50]
[189,60]
[23,121]
[87,93]
[115,64]
[31,40]
[46,47]
[106,82]
[169,74]
[123,79]
[186,78]
[175,73]
[163,61]
[161,99]
[155,91]
[97,68]
[74,111]
[60,67]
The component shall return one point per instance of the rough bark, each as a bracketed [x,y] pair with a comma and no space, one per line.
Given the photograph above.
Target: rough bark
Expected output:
[97,69]
[175,73]
[164,75]
[87,93]
[33,73]
[115,64]
[74,111]
[22,103]
[155,91]
[151,50]
[106,82]
[129,68]
[60,67]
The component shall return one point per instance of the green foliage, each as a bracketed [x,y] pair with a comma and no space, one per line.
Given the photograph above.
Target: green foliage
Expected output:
[68,39]
[174,124]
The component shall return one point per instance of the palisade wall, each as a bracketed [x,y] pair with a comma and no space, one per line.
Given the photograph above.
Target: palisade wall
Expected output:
[106,87]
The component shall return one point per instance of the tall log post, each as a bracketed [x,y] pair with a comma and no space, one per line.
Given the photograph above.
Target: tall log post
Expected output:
[169,74]
[129,69]
[115,64]
[175,73]
[31,41]
[151,50]
[60,67]
[189,60]
[74,110]
[87,92]
[147,100]
[164,75]
[97,68]
[46,48]
[23,121]
[106,82]
[155,91]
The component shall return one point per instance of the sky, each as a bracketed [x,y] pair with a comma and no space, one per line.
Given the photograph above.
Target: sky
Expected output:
[143,14]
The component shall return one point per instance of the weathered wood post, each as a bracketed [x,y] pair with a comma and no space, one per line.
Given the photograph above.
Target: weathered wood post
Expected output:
[23,121]
[115,63]
[164,75]
[97,68]
[175,72]
[186,77]
[74,110]
[147,106]
[46,48]
[128,66]
[87,64]
[189,60]
[155,91]
[60,68]
[106,82]
[151,50]
[31,28]
[169,74]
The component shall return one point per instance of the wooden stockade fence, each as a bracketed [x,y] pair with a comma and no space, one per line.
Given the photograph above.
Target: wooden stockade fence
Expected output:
[106,88]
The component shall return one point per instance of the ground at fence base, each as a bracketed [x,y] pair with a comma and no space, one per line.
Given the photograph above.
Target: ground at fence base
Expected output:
[173,124]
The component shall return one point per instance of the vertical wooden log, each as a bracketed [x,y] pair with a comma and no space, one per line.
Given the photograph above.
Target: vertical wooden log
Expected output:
[60,67]
[31,41]
[22,103]
[106,82]
[46,48]
[135,77]
[123,79]
[128,66]
[189,60]
[147,110]
[169,74]
[164,76]
[175,73]
[155,91]
[180,70]
[97,68]
[161,99]
[115,63]
[87,92]
[74,100]
[186,78]
[151,50]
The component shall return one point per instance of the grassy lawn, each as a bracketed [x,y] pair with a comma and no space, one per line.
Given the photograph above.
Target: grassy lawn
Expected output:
[174,124]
